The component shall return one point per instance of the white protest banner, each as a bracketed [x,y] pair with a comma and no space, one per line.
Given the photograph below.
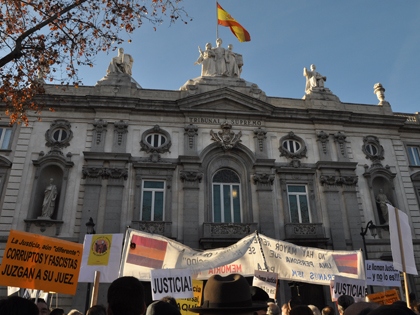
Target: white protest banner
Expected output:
[348,286]
[382,273]
[401,241]
[144,252]
[294,263]
[266,281]
[101,252]
[173,282]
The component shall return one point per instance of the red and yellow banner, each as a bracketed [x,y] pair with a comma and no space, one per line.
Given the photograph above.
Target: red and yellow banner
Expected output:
[34,261]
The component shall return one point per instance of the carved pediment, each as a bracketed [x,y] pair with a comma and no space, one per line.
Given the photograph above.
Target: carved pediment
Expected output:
[225,100]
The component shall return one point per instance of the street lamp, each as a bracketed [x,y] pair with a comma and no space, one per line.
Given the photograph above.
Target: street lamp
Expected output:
[373,231]
[90,229]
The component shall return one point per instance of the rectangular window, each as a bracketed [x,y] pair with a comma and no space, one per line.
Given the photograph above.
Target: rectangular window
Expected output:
[414,155]
[153,201]
[5,134]
[298,204]
[226,203]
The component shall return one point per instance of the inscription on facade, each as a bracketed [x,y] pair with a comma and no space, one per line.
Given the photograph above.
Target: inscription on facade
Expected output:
[220,121]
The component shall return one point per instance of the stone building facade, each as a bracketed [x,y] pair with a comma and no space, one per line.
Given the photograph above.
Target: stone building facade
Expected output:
[210,163]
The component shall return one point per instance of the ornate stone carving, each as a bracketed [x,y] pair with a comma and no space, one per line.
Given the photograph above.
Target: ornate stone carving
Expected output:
[263,179]
[349,180]
[99,130]
[323,137]
[379,90]
[191,176]
[121,127]
[304,229]
[115,173]
[340,138]
[328,180]
[230,229]
[152,147]
[373,150]
[226,138]
[260,135]
[92,172]
[104,172]
[191,132]
[59,135]
[292,152]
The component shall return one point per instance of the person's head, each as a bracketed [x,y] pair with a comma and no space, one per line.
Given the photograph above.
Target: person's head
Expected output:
[120,51]
[285,309]
[16,305]
[169,299]
[162,308]
[313,67]
[96,310]
[42,306]
[57,311]
[126,297]
[301,310]
[219,42]
[230,46]
[228,295]
[75,312]
[208,46]
[273,309]
[314,309]
[343,302]
[258,295]
[360,308]
[328,310]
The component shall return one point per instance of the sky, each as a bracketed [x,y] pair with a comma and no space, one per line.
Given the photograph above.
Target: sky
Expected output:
[355,44]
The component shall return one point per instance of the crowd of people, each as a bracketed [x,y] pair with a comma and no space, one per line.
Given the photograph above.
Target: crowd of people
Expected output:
[221,295]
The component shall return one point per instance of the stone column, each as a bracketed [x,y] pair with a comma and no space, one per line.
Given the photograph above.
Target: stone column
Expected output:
[331,182]
[114,198]
[191,179]
[93,185]
[264,182]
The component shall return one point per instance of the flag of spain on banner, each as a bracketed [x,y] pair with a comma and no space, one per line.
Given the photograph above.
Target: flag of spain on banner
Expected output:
[225,19]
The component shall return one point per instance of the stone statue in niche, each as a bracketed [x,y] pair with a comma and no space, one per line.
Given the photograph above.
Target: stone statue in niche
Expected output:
[48,205]
[314,80]
[123,63]
[382,201]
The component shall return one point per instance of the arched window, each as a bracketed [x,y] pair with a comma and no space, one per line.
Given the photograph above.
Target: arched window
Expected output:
[226,197]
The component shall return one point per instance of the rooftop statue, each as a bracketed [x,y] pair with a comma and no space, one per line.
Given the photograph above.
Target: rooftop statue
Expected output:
[314,80]
[219,62]
[220,58]
[207,61]
[123,63]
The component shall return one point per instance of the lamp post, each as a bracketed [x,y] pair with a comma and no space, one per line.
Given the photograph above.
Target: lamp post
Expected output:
[90,229]
[373,231]
[369,226]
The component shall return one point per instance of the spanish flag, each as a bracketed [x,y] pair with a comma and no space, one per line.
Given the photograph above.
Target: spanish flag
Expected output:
[225,19]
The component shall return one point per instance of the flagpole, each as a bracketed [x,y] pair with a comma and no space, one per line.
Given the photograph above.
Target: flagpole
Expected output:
[407,295]
[217,23]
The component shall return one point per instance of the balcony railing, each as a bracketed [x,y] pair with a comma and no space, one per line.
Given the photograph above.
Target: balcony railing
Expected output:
[154,227]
